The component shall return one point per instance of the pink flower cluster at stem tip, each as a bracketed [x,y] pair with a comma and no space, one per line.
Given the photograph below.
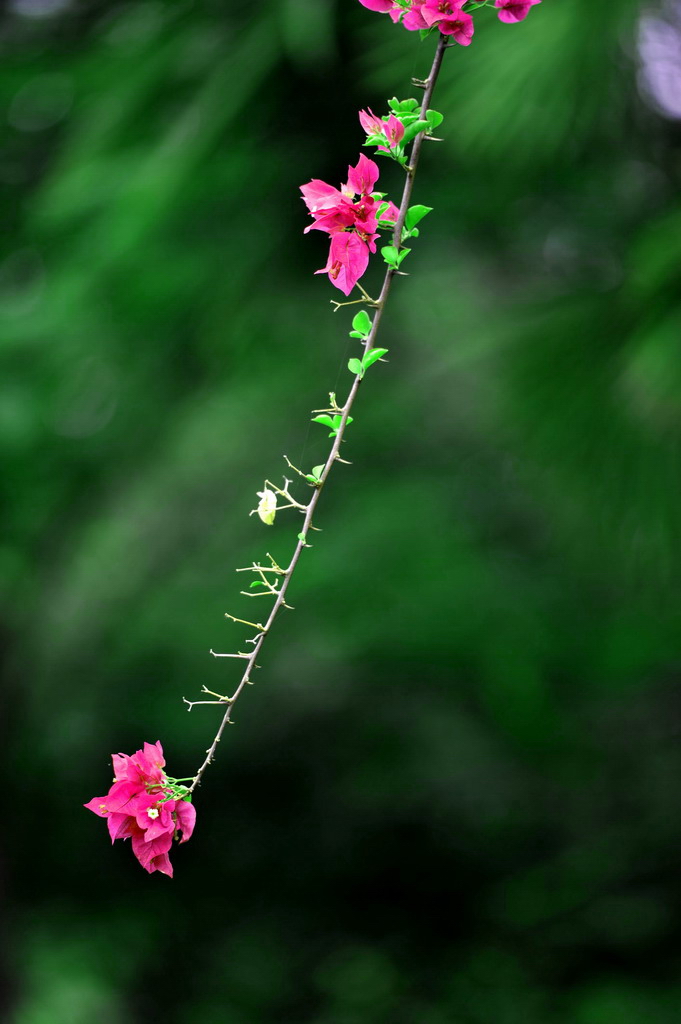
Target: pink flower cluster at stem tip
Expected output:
[350,215]
[143,805]
[450,16]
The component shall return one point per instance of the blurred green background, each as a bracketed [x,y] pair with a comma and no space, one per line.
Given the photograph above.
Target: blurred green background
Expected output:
[452,797]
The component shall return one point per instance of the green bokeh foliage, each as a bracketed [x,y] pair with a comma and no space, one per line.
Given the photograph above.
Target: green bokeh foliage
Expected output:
[450,797]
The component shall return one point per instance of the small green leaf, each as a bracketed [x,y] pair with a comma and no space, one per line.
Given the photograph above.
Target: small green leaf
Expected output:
[256,583]
[394,103]
[361,322]
[410,104]
[317,470]
[435,119]
[412,131]
[371,357]
[335,425]
[355,366]
[356,334]
[389,254]
[415,214]
[301,536]
[323,419]
[404,252]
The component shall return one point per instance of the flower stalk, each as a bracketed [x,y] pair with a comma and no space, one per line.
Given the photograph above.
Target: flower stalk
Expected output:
[285,575]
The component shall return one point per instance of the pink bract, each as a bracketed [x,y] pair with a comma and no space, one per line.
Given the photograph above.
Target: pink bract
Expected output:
[391,213]
[391,129]
[413,20]
[348,260]
[371,124]
[513,11]
[460,27]
[363,177]
[145,806]
[383,6]
[320,196]
[435,10]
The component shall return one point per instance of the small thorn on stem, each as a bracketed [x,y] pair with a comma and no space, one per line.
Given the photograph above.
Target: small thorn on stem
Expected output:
[339,305]
[220,696]
[255,625]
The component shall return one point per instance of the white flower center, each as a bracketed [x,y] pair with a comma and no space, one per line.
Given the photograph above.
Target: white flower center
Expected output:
[152,812]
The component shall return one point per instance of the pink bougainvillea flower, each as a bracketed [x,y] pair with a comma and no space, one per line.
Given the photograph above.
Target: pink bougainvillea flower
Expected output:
[413,20]
[435,10]
[371,124]
[394,130]
[348,260]
[407,12]
[391,128]
[459,26]
[450,19]
[512,11]
[146,765]
[146,806]
[185,816]
[349,216]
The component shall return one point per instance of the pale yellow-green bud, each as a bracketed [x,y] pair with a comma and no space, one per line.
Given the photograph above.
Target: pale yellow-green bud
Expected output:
[267,508]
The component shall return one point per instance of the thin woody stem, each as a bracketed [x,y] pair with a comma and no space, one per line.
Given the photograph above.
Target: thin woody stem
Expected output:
[334,454]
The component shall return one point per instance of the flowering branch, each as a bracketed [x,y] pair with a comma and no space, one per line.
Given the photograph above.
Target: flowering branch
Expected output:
[344,411]
[144,803]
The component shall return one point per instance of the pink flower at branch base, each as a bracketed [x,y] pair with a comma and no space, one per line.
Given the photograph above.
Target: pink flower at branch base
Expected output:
[512,11]
[144,805]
